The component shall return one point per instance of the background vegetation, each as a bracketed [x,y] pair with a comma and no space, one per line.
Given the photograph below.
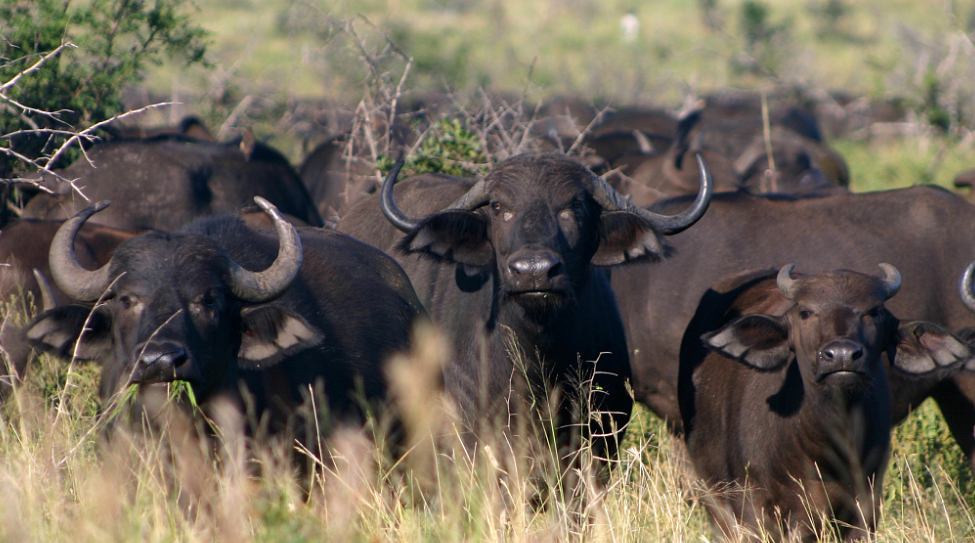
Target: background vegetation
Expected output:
[294,70]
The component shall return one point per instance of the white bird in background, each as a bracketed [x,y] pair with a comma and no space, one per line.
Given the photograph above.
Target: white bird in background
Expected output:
[630,27]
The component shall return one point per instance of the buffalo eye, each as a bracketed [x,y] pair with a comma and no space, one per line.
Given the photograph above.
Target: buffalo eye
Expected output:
[577,204]
[209,299]
[875,312]
[126,301]
[496,206]
[804,314]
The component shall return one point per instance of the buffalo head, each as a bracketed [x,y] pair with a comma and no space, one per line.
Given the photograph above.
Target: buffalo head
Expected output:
[173,307]
[541,221]
[837,329]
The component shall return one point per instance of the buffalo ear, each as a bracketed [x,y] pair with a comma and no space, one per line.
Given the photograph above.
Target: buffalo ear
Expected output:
[760,341]
[272,333]
[923,347]
[453,235]
[626,237]
[57,330]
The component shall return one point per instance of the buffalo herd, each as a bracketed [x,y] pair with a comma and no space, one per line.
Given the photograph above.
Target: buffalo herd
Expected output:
[711,265]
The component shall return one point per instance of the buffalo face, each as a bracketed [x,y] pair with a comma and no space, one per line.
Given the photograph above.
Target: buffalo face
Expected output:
[541,221]
[173,307]
[838,330]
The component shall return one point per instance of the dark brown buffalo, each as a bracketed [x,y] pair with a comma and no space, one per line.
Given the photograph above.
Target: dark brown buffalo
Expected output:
[511,268]
[785,398]
[739,150]
[335,179]
[926,232]
[191,127]
[164,183]
[322,317]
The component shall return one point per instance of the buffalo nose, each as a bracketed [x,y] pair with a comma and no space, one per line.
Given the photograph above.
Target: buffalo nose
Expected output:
[842,352]
[543,264]
[158,362]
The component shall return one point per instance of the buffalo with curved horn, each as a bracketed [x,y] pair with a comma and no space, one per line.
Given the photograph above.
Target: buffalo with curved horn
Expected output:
[325,314]
[511,268]
[785,384]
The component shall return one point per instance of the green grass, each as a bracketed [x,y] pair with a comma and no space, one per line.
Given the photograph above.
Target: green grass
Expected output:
[901,163]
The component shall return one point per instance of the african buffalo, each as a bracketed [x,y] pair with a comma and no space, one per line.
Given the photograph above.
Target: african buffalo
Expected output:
[335,179]
[510,267]
[926,232]
[739,146]
[786,404]
[166,182]
[322,318]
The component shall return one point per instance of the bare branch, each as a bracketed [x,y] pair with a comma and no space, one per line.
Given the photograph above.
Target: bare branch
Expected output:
[88,131]
[35,66]
[582,135]
[234,116]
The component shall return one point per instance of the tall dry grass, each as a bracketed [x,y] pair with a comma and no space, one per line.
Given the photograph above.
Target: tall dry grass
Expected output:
[66,474]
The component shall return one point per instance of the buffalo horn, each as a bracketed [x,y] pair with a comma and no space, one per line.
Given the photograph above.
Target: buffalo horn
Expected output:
[400,220]
[610,200]
[471,200]
[68,273]
[787,285]
[892,278]
[48,301]
[256,287]
[965,287]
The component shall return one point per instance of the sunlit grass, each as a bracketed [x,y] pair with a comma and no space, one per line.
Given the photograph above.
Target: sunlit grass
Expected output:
[71,477]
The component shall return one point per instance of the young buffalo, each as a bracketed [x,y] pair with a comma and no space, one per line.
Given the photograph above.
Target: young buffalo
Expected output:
[786,405]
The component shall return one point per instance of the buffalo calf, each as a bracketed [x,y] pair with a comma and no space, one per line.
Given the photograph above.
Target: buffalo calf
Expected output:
[786,404]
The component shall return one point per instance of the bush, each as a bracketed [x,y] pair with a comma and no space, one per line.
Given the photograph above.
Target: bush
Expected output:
[117,40]
[450,148]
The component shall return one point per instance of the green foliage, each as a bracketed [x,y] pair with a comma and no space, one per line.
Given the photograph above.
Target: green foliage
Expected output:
[937,115]
[117,41]
[765,47]
[450,148]
[829,16]
[928,457]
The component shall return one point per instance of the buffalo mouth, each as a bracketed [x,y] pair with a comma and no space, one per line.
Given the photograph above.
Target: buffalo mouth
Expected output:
[541,301]
[843,377]
[540,296]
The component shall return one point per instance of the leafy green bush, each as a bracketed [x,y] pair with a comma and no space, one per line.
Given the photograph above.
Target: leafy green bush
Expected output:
[117,41]
[449,148]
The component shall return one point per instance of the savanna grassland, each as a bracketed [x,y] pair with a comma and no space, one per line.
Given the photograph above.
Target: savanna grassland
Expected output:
[278,67]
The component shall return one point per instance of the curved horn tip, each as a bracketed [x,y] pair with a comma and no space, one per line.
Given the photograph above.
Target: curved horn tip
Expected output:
[965,287]
[678,223]
[267,206]
[93,208]
[48,301]
[387,203]
[893,278]
[785,282]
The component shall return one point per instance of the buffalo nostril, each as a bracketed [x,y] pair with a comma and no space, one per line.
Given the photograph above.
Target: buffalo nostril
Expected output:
[175,357]
[535,265]
[843,351]
[159,363]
